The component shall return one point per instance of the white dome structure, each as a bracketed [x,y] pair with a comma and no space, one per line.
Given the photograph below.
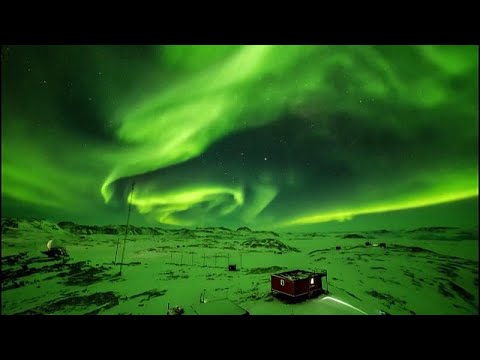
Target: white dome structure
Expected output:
[53,243]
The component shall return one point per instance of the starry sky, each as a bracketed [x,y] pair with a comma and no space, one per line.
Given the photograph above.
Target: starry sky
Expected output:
[269,137]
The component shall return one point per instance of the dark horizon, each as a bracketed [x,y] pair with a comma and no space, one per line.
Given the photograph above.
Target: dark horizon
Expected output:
[470,224]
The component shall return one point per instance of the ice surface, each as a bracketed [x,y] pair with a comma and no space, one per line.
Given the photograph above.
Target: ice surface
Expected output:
[429,271]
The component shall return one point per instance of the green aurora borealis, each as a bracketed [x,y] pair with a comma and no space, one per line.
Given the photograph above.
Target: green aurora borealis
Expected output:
[274,137]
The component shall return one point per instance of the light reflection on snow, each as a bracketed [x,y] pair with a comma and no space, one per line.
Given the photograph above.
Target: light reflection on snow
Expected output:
[343,303]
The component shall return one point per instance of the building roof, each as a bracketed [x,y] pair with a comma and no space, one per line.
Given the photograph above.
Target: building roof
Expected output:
[219,307]
[300,274]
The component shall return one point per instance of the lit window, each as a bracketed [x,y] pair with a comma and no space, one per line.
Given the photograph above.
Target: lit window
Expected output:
[282,282]
[312,281]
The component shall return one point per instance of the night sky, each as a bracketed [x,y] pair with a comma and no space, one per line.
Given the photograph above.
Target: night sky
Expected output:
[269,137]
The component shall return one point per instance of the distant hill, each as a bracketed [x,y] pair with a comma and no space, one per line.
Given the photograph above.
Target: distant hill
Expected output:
[12,224]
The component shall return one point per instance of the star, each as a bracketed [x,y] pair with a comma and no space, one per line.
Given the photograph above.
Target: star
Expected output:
[180,130]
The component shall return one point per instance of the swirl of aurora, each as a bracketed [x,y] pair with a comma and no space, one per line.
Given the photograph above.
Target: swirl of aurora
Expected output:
[264,136]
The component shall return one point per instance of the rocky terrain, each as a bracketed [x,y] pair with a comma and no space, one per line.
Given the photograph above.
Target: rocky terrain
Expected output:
[414,271]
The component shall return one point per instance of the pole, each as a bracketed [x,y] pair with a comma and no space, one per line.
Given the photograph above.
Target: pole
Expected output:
[116,251]
[126,230]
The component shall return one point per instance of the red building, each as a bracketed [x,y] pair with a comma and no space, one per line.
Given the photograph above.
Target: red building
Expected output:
[298,284]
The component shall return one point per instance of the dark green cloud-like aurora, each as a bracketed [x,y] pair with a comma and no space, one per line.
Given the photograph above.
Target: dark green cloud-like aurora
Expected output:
[272,137]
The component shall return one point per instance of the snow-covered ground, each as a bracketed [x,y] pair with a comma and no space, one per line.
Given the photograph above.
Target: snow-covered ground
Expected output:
[420,271]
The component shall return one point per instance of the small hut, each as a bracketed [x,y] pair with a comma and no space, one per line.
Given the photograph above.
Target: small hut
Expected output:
[298,284]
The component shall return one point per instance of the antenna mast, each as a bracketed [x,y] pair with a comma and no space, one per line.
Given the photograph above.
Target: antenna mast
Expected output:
[126,230]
